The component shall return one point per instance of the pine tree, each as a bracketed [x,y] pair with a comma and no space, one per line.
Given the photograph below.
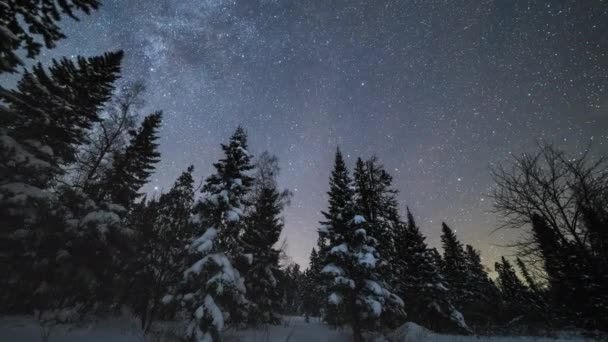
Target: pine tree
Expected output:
[133,166]
[570,298]
[22,21]
[482,293]
[513,291]
[292,281]
[454,266]
[213,290]
[530,282]
[358,294]
[421,284]
[58,243]
[262,230]
[312,293]
[376,200]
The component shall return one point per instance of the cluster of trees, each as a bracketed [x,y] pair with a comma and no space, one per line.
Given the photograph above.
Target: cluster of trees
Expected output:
[78,234]
[372,268]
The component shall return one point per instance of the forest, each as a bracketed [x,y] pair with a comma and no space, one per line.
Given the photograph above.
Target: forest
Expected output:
[81,239]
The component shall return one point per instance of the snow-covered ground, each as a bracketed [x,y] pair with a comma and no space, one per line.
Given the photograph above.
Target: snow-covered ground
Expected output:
[294,329]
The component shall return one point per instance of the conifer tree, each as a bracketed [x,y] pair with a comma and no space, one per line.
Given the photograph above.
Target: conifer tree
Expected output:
[454,266]
[312,293]
[292,281]
[421,285]
[133,166]
[262,230]
[530,282]
[482,293]
[59,240]
[163,227]
[376,200]
[357,292]
[22,21]
[513,291]
[213,290]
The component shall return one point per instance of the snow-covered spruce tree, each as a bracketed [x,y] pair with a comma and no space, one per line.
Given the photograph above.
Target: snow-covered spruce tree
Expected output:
[49,230]
[162,226]
[376,201]
[357,290]
[421,285]
[22,21]
[213,290]
[263,226]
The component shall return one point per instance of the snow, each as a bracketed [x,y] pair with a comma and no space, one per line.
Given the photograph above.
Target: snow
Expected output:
[345,281]
[167,299]
[293,329]
[374,287]
[341,248]
[100,216]
[358,219]
[22,192]
[216,314]
[204,243]
[233,216]
[332,269]
[367,259]
[324,229]
[375,306]
[335,299]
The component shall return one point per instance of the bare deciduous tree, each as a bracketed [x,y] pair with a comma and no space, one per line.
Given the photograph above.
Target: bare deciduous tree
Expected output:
[556,187]
[109,136]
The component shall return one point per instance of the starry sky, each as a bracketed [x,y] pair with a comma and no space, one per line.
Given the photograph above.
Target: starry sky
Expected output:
[438,90]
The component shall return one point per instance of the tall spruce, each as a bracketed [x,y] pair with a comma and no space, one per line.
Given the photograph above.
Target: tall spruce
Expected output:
[263,227]
[312,293]
[133,166]
[213,290]
[482,292]
[421,285]
[564,265]
[376,201]
[454,266]
[513,291]
[358,295]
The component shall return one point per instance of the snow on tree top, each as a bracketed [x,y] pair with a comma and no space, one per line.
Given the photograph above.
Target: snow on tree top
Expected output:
[358,219]
[367,259]
[233,215]
[374,305]
[345,281]
[335,299]
[341,248]
[332,269]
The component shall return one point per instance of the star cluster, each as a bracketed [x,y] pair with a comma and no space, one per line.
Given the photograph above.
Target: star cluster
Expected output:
[438,90]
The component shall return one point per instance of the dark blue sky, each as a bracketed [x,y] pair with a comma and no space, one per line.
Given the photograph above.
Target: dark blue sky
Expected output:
[438,90]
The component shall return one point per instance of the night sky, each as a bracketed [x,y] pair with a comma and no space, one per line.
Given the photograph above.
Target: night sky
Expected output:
[438,90]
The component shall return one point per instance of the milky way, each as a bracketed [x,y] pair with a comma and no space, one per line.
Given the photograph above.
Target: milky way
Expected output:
[438,90]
